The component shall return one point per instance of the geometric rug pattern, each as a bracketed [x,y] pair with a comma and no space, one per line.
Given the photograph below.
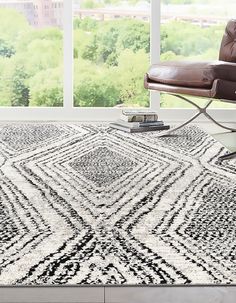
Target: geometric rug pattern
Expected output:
[86,204]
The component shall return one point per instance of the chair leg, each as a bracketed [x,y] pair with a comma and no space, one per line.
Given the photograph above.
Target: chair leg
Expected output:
[227,157]
[172,130]
[201,110]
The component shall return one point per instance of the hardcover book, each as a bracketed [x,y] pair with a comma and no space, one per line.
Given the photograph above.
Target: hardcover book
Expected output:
[138,129]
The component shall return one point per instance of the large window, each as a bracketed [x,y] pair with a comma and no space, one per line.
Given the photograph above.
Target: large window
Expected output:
[86,59]
[111,53]
[193,30]
[31,53]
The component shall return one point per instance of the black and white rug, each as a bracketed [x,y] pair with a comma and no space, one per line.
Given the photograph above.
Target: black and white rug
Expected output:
[85,204]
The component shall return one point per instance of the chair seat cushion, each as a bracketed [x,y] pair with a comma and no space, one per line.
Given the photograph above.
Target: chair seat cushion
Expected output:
[192,74]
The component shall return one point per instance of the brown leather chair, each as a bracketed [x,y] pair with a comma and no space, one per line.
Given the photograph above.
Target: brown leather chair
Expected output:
[213,80]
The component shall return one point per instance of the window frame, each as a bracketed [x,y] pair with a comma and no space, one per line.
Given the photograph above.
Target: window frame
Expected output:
[70,113]
[180,114]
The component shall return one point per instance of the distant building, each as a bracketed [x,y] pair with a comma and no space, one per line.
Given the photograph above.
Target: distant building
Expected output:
[39,13]
[58,12]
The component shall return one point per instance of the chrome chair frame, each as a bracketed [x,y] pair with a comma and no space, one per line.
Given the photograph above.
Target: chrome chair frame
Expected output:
[201,111]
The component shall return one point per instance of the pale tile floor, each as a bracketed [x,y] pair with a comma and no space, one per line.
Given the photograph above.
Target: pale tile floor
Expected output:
[130,294]
[228,139]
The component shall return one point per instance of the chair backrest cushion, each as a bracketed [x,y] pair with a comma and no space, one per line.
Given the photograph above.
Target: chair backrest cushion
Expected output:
[228,45]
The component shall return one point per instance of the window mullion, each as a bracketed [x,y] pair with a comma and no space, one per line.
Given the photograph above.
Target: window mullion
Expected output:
[68,54]
[155,46]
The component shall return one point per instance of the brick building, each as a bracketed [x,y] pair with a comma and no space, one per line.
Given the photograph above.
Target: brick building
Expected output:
[39,13]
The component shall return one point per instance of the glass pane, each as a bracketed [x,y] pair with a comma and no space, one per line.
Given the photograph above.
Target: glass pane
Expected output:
[193,30]
[111,52]
[31,53]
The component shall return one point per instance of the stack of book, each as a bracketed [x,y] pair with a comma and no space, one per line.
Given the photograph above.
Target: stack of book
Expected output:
[139,121]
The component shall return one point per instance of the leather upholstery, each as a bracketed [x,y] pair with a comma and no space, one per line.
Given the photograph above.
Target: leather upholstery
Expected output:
[192,74]
[215,79]
[221,89]
[224,90]
[157,86]
[228,45]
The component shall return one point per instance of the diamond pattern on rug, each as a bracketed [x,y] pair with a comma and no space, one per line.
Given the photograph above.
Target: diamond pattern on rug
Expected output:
[102,166]
[7,227]
[20,136]
[85,204]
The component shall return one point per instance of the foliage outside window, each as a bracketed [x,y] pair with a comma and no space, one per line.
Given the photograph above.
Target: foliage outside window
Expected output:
[192,30]
[111,54]
[31,59]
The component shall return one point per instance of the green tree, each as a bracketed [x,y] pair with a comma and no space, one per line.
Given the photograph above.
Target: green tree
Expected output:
[31,52]
[76,23]
[196,40]
[94,87]
[19,94]
[169,56]
[134,35]
[46,88]
[89,4]
[89,51]
[40,54]
[107,37]
[112,37]
[12,24]
[6,71]
[88,24]
[6,50]
[129,76]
